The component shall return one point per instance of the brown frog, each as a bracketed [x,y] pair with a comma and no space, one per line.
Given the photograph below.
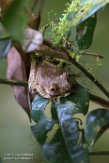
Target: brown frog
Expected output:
[48,80]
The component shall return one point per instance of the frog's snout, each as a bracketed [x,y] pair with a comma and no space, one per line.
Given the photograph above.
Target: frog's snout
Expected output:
[53,88]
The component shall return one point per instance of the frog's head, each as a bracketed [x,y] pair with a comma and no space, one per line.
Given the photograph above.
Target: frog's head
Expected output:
[57,85]
[52,80]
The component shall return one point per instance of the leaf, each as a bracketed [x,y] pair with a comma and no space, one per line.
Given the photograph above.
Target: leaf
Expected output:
[56,150]
[41,129]
[15,19]
[75,13]
[16,70]
[5,42]
[95,121]
[38,107]
[80,10]
[80,97]
[5,45]
[43,125]
[76,148]
[85,32]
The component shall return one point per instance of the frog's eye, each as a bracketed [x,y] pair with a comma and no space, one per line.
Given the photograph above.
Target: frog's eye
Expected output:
[34,90]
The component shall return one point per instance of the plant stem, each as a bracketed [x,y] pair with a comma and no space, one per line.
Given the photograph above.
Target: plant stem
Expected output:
[99,100]
[91,54]
[90,76]
[14,82]
[99,153]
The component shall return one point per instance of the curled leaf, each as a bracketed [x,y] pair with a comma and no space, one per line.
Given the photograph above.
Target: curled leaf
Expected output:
[32,40]
[16,70]
[75,145]
[95,121]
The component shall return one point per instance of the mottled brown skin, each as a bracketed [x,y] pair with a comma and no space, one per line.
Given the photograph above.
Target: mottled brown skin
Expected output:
[48,80]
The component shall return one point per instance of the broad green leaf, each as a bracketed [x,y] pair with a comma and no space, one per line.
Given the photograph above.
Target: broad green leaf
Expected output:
[15,19]
[76,12]
[38,107]
[41,129]
[43,125]
[80,97]
[95,121]
[72,135]
[55,151]
[85,31]
[5,45]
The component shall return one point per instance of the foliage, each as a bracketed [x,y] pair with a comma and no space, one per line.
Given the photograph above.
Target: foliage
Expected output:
[15,19]
[76,12]
[72,141]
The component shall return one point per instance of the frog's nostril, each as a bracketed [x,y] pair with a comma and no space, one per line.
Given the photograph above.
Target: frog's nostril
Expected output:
[53,88]
[34,90]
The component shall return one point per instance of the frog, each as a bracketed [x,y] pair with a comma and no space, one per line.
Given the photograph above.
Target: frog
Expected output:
[48,80]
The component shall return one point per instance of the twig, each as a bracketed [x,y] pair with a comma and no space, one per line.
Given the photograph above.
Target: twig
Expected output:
[99,153]
[34,5]
[90,76]
[14,82]
[99,100]
[91,54]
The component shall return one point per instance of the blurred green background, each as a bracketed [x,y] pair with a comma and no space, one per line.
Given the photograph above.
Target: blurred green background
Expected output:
[15,133]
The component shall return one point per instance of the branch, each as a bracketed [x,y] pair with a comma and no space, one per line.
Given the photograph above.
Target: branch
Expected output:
[91,54]
[99,100]
[90,76]
[99,153]
[14,82]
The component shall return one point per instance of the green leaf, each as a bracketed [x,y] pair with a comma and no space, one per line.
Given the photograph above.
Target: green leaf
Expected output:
[85,32]
[38,107]
[95,121]
[5,45]
[56,150]
[43,125]
[15,19]
[76,12]
[72,135]
[41,129]
[80,97]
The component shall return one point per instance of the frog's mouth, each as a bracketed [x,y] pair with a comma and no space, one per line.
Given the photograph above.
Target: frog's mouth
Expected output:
[54,92]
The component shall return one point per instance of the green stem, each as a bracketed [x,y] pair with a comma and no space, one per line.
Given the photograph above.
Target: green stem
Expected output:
[14,82]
